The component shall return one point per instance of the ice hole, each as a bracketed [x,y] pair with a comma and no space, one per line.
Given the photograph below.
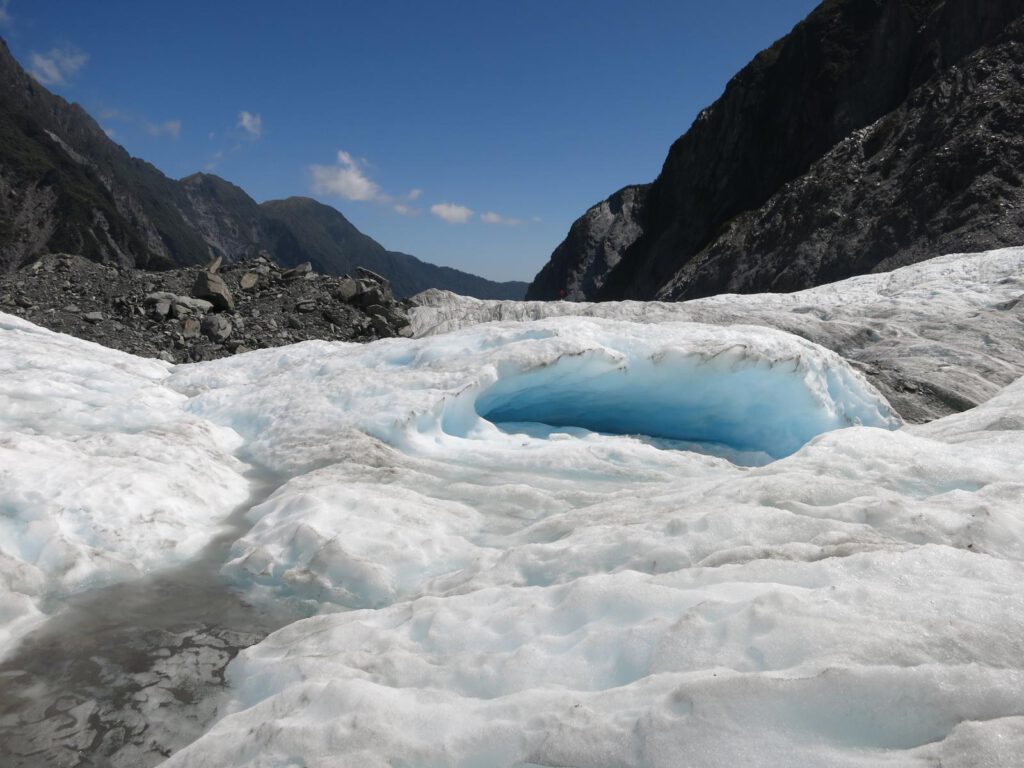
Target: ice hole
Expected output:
[749,413]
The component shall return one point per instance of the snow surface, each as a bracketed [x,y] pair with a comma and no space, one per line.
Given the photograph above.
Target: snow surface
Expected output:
[514,558]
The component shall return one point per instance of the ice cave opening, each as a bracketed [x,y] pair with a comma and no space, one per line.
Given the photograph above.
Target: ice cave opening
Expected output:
[751,413]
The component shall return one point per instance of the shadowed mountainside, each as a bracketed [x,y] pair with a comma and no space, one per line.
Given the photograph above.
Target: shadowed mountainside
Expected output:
[874,134]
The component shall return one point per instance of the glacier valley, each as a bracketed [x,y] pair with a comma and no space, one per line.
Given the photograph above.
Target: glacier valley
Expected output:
[775,530]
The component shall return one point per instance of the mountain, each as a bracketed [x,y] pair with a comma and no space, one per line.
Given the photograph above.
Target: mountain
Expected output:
[65,187]
[301,229]
[875,134]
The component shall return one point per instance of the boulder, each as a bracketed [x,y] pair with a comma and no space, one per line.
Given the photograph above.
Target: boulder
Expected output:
[183,306]
[213,288]
[249,281]
[93,317]
[380,280]
[298,272]
[216,328]
[347,289]
[191,328]
[368,294]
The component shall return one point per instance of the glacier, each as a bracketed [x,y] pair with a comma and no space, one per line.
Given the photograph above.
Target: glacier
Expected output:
[567,535]
[935,338]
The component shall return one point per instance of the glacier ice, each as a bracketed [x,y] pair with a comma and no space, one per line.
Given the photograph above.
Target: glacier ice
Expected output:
[936,337]
[103,473]
[634,540]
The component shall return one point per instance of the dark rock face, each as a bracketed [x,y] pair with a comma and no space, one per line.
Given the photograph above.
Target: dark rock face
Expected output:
[864,97]
[157,314]
[595,245]
[65,187]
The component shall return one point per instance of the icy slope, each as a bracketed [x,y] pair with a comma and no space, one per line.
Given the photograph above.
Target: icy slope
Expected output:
[935,338]
[103,473]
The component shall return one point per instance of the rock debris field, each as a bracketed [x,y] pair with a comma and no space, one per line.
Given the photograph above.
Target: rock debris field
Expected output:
[193,314]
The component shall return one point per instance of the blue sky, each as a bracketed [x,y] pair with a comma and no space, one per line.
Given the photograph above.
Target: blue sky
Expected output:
[470,134]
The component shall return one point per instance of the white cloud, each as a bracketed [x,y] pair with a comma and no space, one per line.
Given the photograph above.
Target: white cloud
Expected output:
[405,210]
[5,15]
[414,194]
[250,123]
[346,179]
[111,133]
[452,213]
[170,128]
[496,218]
[214,160]
[56,66]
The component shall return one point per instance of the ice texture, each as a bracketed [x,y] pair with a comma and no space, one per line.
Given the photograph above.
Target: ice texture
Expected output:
[853,604]
[634,540]
[372,524]
[103,473]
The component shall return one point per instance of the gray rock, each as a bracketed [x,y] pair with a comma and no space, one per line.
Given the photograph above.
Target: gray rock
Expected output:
[299,271]
[214,266]
[370,275]
[306,305]
[94,317]
[347,289]
[183,306]
[216,328]
[335,316]
[380,325]
[368,294]
[213,289]
[190,328]
[249,281]
[154,297]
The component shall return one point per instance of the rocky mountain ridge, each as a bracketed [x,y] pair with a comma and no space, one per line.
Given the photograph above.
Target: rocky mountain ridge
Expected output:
[66,187]
[875,133]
